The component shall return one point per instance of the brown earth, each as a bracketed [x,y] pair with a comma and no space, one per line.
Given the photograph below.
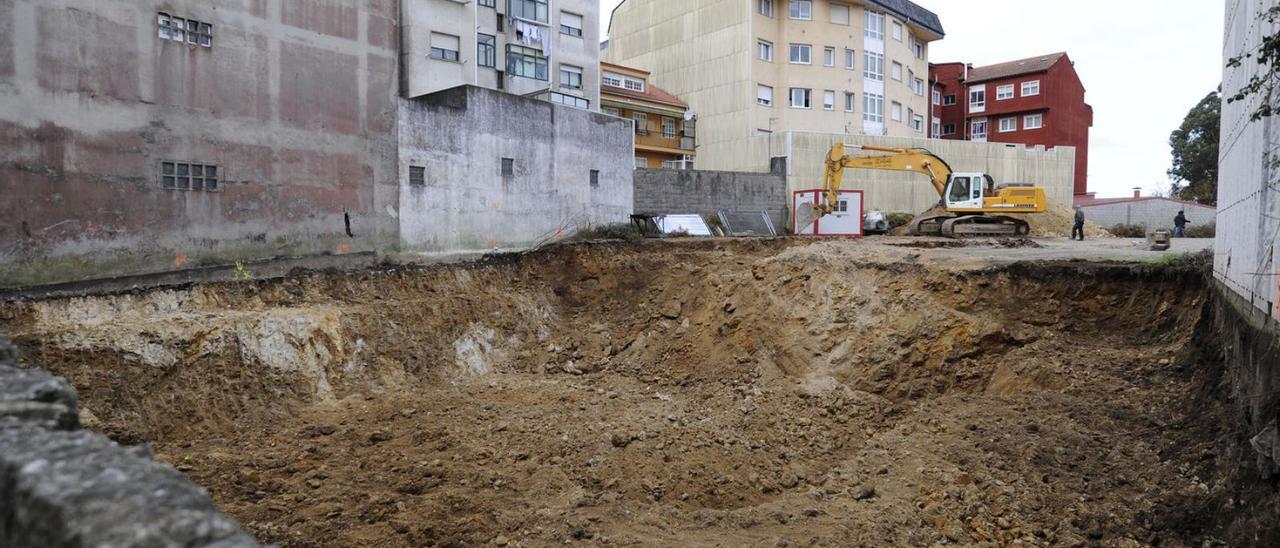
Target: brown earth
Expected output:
[679,393]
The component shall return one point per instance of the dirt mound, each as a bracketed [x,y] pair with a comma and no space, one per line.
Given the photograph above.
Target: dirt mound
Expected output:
[701,393]
[1055,222]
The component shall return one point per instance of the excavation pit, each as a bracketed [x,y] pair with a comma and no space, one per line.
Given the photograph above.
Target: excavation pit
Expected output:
[673,393]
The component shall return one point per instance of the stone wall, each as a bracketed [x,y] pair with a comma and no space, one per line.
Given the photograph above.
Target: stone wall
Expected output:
[565,168]
[64,487]
[1151,213]
[665,191]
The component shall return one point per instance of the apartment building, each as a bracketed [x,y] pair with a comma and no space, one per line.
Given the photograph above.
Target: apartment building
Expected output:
[663,124]
[755,67]
[1034,101]
[547,49]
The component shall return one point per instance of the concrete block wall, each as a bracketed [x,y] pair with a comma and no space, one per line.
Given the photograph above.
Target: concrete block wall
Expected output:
[63,487]
[1151,213]
[461,136]
[665,191]
[806,153]
[293,101]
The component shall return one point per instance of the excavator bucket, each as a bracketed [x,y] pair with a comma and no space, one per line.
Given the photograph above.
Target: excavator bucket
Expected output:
[806,215]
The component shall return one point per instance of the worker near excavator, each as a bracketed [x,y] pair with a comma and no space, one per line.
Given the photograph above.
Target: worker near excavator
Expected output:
[1180,225]
[1078,227]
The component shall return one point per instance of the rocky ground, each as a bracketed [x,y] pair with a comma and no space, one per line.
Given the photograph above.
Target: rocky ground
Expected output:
[713,393]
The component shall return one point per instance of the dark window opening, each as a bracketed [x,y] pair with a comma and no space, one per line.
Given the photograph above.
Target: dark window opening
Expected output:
[508,167]
[417,176]
[188,176]
[595,178]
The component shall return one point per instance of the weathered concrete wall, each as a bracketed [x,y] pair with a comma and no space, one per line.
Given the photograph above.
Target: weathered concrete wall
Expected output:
[460,137]
[64,487]
[1052,169]
[1247,251]
[294,102]
[660,191]
[1150,213]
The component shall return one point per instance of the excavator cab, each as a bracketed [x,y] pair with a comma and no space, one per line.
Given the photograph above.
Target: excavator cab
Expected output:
[966,190]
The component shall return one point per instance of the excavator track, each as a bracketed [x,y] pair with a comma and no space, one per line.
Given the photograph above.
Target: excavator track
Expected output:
[969,226]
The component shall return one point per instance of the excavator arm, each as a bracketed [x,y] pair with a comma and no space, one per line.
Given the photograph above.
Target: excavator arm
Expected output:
[899,159]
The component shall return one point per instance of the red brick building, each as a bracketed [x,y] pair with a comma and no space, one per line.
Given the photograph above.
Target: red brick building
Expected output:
[1035,101]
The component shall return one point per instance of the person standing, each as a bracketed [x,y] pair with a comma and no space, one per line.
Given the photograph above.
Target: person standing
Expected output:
[1180,225]
[1078,227]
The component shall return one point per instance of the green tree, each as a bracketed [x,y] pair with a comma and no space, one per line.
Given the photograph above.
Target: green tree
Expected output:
[1195,152]
[1264,82]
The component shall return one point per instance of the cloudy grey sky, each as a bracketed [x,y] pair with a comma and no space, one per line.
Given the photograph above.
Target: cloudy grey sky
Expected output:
[1145,63]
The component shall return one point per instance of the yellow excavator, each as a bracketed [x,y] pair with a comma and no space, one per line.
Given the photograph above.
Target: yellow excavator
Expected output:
[974,203]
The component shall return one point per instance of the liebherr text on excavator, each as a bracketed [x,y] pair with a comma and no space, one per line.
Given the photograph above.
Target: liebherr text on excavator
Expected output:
[975,205]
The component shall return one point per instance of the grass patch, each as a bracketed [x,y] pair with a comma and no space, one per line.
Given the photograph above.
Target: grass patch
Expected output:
[615,231]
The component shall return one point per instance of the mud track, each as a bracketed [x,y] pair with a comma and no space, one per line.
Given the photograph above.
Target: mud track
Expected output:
[696,394]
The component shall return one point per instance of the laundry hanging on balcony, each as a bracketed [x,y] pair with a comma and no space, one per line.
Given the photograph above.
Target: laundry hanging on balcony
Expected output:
[530,34]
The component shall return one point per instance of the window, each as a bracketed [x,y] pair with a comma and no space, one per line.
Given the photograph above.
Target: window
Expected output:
[570,77]
[802,9]
[979,129]
[874,68]
[764,95]
[917,47]
[911,114]
[917,123]
[766,8]
[875,25]
[444,47]
[486,50]
[188,176]
[535,10]
[633,84]
[1031,88]
[184,30]
[799,98]
[594,178]
[897,31]
[1004,92]
[417,176]
[842,206]
[848,101]
[873,108]
[668,128]
[799,54]
[828,56]
[508,167]
[611,111]
[641,162]
[936,128]
[897,71]
[829,100]
[937,97]
[1033,121]
[948,100]
[500,20]
[641,122]
[616,80]
[949,129]
[1008,124]
[917,85]
[959,190]
[571,24]
[895,111]
[569,100]
[489,3]
[764,50]
[978,98]
[611,79]
[840,14]
[526,62]
[849,56]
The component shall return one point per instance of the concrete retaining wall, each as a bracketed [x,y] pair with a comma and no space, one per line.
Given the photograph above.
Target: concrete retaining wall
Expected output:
[1151,213]
[461,136]
[659,191]
[64,487]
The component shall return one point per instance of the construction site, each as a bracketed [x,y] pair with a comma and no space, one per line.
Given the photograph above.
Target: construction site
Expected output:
[697,393]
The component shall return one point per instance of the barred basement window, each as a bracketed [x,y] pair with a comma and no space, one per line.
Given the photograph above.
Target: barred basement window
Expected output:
[508,167]
[184,30]
[595,178]
[417,176]
[188,176]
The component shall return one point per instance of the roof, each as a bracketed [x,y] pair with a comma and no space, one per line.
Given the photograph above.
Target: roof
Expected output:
[1029,65]
[1087,202]
[913,13]
[650,93]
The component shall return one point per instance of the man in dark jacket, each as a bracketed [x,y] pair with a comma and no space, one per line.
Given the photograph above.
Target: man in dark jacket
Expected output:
[1180,224]
[1078,228]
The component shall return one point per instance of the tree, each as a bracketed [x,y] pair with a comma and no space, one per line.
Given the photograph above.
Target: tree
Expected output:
[1195,152]
[1264,81]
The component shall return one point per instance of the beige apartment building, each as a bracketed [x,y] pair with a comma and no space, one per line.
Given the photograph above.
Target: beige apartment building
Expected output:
[758,67]
[547,49]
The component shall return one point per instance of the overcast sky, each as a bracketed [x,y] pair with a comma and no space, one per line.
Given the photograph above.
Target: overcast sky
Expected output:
[1144,64]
